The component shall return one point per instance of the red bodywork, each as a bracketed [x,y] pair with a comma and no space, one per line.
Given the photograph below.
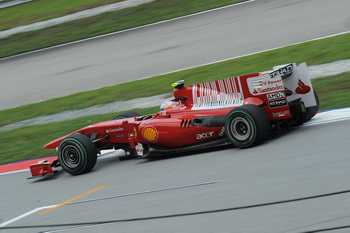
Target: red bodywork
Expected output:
[174,127]
[42,168]
[200,110]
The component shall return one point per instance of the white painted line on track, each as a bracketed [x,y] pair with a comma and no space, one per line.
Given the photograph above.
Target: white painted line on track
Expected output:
[7,173]
[105,198]
[130,29]
[165,21]
[331,116]
[76,228]
[179,18]
[145,192]
[25,215]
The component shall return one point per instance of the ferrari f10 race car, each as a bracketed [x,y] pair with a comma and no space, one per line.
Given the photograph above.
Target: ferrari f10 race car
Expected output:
[241,111]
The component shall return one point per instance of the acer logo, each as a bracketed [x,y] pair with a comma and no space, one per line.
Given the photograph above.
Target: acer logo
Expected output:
[204,135]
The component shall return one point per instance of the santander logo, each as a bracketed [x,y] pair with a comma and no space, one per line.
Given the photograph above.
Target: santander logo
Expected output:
[302,88]
[265,84]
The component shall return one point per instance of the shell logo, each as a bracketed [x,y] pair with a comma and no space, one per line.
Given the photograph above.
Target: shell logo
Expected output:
[150,134]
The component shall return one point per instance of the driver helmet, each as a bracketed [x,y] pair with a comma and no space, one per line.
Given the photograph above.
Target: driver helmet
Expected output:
[166,105]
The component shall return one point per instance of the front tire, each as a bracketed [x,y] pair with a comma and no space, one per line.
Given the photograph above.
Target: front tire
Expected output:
[247,126]
[77,154]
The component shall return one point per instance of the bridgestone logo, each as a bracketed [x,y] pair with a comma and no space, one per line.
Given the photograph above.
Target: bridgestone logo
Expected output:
[286,71]
[277,103]
[277,95]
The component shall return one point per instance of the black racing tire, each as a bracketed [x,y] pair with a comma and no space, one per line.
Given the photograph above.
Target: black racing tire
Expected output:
[77,154]
[247,126]
[311,111]
[126,114]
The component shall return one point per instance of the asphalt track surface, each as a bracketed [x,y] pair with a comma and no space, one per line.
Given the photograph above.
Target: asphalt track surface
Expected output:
[294,182]
[269,182]
[161,48]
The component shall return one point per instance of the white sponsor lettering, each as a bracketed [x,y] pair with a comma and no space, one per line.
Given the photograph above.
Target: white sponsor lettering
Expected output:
[205,135]
[265,85]
[222,132]
[286,71]
[259,91]
[276,95]
[114,130]
[277,103]
[281,114]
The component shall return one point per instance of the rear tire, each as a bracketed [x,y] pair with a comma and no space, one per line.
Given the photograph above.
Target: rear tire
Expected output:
[247,126]
[77,154]
[126,114]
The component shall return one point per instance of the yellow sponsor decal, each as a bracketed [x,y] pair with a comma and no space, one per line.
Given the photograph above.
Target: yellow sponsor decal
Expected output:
[135,132]
[150,134]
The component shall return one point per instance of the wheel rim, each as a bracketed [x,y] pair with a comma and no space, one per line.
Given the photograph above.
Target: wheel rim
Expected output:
[71,156]
[241,128]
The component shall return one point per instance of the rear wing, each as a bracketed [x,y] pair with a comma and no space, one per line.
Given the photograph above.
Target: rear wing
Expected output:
[276,88]
[296,82]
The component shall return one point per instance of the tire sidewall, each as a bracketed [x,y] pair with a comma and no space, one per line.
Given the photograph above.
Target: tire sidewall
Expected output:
[258,122]
[84,151]
[251,138]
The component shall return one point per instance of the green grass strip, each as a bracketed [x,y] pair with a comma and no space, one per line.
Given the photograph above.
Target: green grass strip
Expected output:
[313,52]
[40,10]
[102,24]
[334,91]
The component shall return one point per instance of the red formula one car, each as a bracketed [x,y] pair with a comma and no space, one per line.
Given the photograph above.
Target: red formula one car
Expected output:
[240,110]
